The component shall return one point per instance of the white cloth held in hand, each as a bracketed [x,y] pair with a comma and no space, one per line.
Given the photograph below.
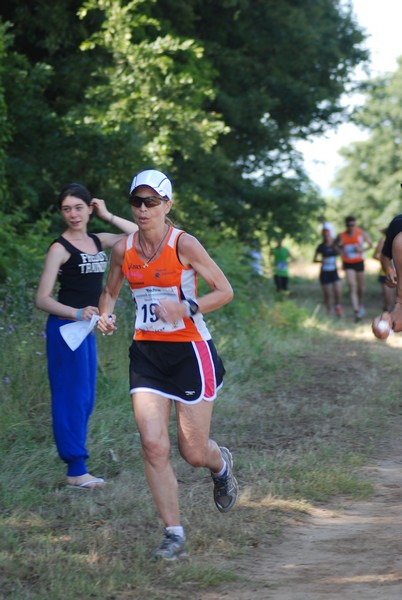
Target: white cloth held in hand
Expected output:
[75,333]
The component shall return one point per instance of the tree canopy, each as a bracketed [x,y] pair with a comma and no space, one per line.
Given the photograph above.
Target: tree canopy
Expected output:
[369,183]
[213,92]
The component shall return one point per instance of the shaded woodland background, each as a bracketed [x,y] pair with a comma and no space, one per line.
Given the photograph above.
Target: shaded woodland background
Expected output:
[215,93]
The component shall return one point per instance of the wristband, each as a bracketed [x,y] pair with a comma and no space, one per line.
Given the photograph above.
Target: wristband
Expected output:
[79,314]
[188,310]
[192,308]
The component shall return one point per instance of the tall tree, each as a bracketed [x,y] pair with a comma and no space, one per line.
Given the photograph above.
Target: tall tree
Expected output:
[369,183]
[4,126]
[281,66]
[215,92]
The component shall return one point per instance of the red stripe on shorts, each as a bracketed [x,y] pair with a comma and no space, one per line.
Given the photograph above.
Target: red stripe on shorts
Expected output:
[207,369]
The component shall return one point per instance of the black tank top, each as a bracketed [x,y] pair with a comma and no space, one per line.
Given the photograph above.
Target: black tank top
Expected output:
[80,277]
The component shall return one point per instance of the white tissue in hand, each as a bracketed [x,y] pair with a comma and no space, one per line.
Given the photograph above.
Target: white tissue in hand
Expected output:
[75,333]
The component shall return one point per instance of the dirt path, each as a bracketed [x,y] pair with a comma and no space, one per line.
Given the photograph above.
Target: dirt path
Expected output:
[347,552]
[355,554]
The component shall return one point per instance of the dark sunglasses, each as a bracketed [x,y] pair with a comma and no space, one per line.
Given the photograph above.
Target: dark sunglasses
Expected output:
[149,202]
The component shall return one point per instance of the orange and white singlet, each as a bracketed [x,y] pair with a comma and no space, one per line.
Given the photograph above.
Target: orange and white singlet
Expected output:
[163,278]
[352,246]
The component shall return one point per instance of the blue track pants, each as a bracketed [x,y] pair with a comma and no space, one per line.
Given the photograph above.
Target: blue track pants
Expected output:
[72,377]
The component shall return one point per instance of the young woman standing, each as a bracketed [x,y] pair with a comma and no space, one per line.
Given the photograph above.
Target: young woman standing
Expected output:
[77,261]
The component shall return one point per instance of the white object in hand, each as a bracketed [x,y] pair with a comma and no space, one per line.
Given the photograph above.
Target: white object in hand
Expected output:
[75,333]
[383,326]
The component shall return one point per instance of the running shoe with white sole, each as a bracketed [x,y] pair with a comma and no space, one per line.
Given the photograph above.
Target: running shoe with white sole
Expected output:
[226,486]
[172,547]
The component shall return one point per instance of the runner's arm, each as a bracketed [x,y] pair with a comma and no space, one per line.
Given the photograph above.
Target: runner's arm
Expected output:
[112,289]
[316,255]
[368,240]
[389,270]
[396,313]
[192,253]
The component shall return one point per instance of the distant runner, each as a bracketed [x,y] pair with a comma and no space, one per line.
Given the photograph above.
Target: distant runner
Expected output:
[352,244]
[329,278]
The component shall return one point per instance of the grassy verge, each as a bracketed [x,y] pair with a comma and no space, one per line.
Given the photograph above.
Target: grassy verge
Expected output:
[302,407]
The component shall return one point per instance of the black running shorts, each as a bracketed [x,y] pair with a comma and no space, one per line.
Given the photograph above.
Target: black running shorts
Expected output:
[328,277]
[183,371]
[357,266]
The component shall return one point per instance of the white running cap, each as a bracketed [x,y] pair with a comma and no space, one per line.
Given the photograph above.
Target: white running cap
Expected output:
[330,228]
[154,179]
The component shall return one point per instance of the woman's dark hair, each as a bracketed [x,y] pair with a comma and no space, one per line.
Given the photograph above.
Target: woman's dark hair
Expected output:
[77,190]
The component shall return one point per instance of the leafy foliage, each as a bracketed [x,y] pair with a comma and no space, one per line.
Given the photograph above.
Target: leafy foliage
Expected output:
[4,126]
[23,247]
[214,93]
[369,184]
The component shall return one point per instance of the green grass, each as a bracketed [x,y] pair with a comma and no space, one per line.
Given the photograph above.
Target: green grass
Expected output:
[302,408]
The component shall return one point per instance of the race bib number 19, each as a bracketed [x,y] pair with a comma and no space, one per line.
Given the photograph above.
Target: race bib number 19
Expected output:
[147,299]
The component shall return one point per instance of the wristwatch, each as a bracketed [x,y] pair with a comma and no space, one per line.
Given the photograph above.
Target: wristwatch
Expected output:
[191,308]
